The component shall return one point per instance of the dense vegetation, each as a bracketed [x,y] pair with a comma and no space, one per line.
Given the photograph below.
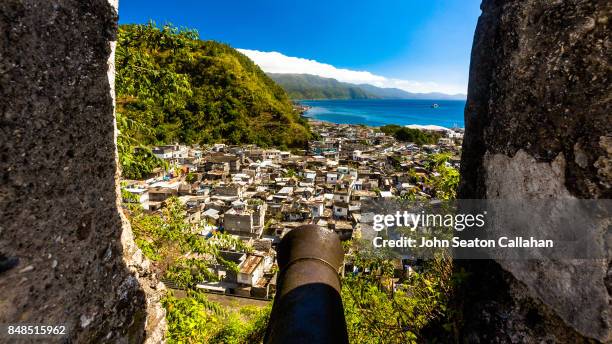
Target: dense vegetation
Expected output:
[180,254]
[445,179]
[375,313]
[173,87]
[185,258]
[410,135]
[195,319]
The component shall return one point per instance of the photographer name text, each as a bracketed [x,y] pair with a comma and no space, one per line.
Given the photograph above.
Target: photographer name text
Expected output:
[457,242]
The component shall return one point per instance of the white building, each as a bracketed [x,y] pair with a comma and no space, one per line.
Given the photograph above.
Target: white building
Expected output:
[172,153]
[251,270]
[139,196]
[331,178]
[341,209]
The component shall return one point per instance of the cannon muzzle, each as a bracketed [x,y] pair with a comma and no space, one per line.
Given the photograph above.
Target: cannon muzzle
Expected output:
[308,307]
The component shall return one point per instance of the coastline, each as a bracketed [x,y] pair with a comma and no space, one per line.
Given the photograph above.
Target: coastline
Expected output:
[416,114]
[420,114]
[430,127]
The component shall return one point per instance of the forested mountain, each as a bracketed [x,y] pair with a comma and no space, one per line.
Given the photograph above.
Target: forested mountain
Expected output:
[396,93]
[385,93]
[307,86]
[173,87]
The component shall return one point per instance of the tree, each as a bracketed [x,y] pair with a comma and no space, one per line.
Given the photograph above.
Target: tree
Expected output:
[186,259]
[191,178]
[446,182]
[416,136]
[173,87]
[375,313]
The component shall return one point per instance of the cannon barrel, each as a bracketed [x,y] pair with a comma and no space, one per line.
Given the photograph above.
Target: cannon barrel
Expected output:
[308,307]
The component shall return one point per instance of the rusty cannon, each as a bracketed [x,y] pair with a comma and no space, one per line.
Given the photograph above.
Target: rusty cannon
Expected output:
[308,307]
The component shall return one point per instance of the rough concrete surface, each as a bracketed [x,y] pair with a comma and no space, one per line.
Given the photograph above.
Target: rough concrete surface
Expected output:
[78,265]
[538,124]
[573,288]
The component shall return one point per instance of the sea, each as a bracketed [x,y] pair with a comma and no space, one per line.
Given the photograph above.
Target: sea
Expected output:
[379,112]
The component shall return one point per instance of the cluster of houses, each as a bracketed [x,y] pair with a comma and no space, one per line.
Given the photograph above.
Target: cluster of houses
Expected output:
[258,195]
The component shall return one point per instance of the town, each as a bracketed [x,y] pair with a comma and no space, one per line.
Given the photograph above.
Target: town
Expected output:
[258,194]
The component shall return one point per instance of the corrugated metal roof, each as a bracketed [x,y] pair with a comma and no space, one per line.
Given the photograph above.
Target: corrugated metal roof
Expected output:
[250,264]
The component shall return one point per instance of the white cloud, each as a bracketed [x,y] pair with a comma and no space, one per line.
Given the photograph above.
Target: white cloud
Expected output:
[275,62]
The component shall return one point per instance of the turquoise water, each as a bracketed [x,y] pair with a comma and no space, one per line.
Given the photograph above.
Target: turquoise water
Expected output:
[377,112]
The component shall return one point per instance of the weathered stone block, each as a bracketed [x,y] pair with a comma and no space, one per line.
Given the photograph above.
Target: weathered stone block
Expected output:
[538,125]
[58,196]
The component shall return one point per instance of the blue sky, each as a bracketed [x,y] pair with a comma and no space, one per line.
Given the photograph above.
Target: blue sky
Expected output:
[416,45]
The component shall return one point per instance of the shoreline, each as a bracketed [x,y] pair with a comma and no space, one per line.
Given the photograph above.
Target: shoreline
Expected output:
[420,114]
[426,127]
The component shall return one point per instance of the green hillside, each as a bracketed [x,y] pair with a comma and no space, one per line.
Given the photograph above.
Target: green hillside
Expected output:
[306,86]
[173,87]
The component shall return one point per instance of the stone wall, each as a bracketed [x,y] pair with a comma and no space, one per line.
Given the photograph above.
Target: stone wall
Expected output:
[77,263]
[538,125]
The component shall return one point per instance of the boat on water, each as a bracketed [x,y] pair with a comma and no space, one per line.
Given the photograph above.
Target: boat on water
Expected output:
[435,106]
